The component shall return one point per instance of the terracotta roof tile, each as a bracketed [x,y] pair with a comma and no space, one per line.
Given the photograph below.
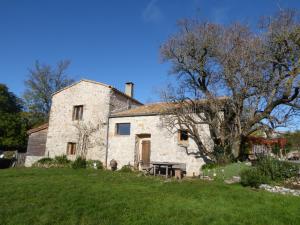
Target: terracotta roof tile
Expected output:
[153,108]
[150,109]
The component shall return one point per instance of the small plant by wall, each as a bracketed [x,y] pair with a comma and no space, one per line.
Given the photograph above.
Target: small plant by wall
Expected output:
[79,163]
[127,169]
[57,162]
[95,164]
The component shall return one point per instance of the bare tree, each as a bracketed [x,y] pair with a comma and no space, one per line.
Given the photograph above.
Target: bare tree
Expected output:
[256,73]
[42,82]
[88,136]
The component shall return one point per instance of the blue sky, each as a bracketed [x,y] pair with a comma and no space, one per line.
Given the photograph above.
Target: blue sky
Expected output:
[108,41]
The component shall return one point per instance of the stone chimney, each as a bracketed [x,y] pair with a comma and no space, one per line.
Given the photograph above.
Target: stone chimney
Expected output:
[129,89]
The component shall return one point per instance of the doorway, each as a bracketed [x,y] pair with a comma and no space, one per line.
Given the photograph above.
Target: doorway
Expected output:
[143,151]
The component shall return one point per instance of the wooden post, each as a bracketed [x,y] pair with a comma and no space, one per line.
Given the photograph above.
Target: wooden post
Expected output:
[167,171]
[178,174]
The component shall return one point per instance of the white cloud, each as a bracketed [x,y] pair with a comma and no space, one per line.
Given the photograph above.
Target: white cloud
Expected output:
[152,12]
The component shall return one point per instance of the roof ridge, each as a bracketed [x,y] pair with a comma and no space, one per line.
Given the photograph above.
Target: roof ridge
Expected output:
[99,83]
[81,80]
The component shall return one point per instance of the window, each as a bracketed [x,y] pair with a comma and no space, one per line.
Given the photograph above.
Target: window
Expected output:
[71,148]
[77,112]
[183,136]
[123,129]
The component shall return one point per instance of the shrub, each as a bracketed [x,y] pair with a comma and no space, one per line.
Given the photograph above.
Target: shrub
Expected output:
[79,163]
[253,177]
[44,163]
[57,162]
[9,154]
[90,164]
[276,170]
[268,170]
[209,166]
[62,160]
[127,169]
[222,156]
[45,160]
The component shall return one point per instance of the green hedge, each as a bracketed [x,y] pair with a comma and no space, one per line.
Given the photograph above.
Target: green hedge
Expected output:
[63,161]
[267,170]
[57,162]
[253,177]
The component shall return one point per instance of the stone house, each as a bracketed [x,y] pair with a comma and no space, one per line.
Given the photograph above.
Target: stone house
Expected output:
[123,128]
[147,140]
[86,103]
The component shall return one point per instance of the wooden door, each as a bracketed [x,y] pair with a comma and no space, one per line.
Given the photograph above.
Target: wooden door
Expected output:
[146,152]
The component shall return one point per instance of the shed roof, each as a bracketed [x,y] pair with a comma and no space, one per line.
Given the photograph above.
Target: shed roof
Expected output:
[39,128]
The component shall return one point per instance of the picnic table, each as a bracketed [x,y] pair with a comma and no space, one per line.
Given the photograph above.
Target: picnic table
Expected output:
[167,165]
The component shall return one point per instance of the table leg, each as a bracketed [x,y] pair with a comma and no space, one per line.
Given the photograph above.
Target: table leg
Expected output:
[159,170]
[154,170]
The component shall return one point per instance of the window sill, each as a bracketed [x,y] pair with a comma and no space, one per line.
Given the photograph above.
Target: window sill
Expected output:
[183,143]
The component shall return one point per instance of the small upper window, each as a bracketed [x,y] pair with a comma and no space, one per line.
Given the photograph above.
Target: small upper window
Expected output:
[123,129]
[77,112]
[71,148]
[183,135]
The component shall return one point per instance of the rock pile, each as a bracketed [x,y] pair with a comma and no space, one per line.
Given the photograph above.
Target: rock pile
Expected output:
[293,183]
[233,180]
[281,190]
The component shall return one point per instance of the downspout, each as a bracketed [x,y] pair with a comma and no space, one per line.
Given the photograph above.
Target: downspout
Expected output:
[107,129]
[107,136]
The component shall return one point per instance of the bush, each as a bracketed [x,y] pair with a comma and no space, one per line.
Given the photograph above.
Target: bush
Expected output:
[79,163]
[222,156]
[268,170]
[45,160]
[277,170]
[253,177]
[90,164]
[127,169]
[62,160]
[57,162]
[209,166]
[9,154]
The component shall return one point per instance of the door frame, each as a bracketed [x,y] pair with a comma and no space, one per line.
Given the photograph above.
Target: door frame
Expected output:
[138,148]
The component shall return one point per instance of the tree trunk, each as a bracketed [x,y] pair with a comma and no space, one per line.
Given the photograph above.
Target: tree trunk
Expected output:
[236,146]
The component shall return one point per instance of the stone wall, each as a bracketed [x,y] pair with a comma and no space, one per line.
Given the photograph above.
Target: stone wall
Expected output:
[30,159]
[120,102]
[95,99]
[165,146]
[98,101]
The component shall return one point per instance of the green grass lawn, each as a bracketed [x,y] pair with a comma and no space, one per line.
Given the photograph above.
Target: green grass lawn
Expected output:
[226,172]
[66,196]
